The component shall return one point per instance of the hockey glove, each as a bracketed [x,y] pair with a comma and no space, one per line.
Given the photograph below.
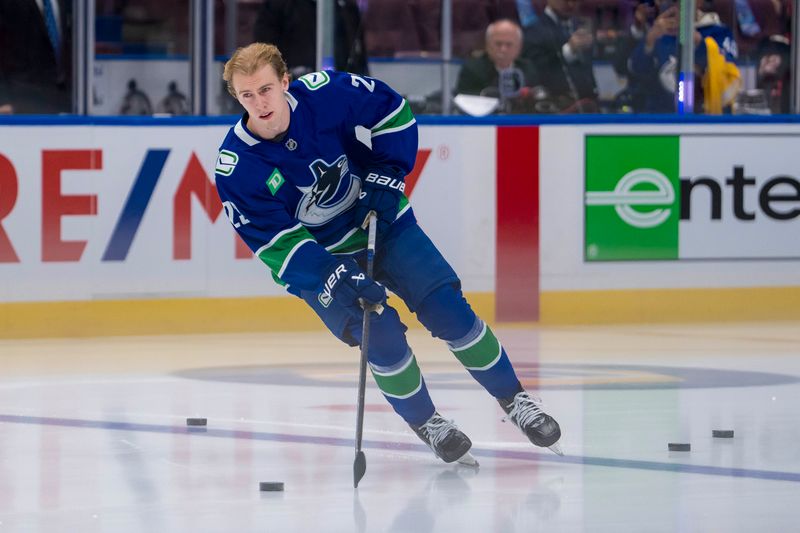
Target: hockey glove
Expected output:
[379,193]
[350,287]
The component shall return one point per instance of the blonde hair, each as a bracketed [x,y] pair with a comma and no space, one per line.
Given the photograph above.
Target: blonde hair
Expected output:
[248,59]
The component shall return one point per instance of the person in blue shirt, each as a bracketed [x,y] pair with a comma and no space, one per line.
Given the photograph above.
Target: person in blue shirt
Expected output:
[654,62]
[298,175]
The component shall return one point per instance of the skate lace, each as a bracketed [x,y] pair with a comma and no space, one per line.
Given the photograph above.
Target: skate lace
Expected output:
[526,411]
[437,429]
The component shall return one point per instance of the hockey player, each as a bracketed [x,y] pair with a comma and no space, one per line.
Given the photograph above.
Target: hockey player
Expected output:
[298,175]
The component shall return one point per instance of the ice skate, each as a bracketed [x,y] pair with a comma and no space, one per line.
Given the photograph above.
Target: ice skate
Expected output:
[448,442]
[526,413]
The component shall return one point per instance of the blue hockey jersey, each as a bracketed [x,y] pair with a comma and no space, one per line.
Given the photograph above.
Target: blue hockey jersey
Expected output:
[291,200]
[654,74]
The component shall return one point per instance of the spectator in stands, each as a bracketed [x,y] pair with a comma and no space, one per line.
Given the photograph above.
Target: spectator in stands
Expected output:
[526,12]
[470,19]
[291,25]
[559,44]
[654,63]
[413,27]
[391,28]
[499,70]
[35,53]
[774,72]
[773,56]
[633,96]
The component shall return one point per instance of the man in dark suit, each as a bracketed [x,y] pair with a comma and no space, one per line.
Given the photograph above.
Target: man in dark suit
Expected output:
[503,46]
[35,55]
[291,25]
[498,70]
[559,45]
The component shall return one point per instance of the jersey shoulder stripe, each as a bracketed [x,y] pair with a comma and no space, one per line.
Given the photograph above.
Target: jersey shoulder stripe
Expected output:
[278,251]
[399,119]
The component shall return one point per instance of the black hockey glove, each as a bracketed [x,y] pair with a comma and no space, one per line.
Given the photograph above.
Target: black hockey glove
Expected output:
[350,287]
[380,193]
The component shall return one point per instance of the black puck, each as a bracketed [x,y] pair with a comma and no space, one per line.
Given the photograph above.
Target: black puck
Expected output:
[196,421]
[271,486]
[722,433]
[679,446]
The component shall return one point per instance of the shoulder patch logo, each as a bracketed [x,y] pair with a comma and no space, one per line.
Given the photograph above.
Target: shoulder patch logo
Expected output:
[226,162]
[275,181]
[315,80]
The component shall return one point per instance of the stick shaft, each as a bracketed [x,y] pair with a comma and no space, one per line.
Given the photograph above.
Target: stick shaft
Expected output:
[362,370]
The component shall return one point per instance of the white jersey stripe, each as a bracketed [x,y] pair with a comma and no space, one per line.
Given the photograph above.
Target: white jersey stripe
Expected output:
[289,256]
[240,132]
[398,128]
[390,116]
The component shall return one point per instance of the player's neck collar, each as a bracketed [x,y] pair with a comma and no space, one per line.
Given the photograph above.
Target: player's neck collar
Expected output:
[292,100]
[241,131]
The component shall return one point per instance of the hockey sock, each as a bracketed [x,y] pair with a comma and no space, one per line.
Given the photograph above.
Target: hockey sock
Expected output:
[404,387]
[395,368]
[485,358]
[449,317]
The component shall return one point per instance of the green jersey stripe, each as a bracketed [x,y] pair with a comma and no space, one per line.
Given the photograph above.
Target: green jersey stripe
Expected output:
[390,116]
[403,206]
[398,120]
[401,383]
[398,128]
[278,280]
[491,363]
[278,236]
[482,353]
[354,241]
[277,252]
[291,253]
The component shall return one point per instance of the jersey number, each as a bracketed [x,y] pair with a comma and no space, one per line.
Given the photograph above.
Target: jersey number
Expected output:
[368,84]
[233,212]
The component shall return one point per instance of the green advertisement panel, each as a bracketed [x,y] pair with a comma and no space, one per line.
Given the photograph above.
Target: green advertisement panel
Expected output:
[632,201]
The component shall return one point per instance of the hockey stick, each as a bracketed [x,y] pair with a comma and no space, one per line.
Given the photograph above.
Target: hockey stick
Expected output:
[360,463]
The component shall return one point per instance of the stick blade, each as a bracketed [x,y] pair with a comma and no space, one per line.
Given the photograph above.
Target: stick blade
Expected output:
[359,467]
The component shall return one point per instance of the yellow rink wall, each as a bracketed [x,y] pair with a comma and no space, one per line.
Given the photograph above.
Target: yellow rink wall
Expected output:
[177,316]
[237,315]
[670,305]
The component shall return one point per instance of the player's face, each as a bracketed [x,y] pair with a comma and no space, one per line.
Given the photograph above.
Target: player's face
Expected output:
[261,94]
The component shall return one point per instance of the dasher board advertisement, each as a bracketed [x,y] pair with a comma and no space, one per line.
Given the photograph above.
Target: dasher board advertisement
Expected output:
[692,197]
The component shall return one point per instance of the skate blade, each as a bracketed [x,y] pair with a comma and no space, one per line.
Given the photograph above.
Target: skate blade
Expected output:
[556,448]
[468,460]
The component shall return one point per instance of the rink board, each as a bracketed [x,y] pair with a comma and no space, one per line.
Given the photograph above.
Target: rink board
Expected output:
[117,229]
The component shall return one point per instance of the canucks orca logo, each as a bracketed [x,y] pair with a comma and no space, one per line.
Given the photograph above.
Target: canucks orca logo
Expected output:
[334,191]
